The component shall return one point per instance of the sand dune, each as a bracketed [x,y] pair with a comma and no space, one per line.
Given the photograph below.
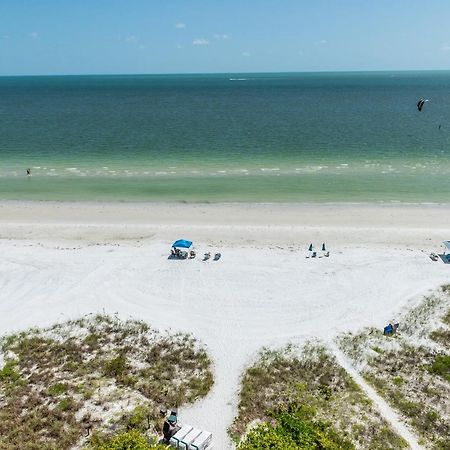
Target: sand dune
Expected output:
[62,260]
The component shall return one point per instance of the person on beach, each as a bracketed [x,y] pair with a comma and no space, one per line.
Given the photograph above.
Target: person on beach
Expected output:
[170,427]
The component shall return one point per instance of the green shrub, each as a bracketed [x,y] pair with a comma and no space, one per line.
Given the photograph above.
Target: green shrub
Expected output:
[308,433]
[267,437]
[131,440]
[57,389]
[310,402]
[441,366]
[9,373]
[294,430]
[116,367]
[66,404]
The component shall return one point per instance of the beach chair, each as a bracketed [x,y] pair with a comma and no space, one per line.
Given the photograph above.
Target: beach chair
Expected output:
[185,443]
[192,254]
[179,435]
[313,254]
[207,256]
[202,441]
[217,256]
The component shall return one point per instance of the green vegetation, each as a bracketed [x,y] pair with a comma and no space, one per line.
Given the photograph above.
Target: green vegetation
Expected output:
[410,371]
[57,389]
[305,400]
[59,384]
[130,440]
[441,366]
[442,337]
[295,429]
[9,374]
[442,334]
[267,437]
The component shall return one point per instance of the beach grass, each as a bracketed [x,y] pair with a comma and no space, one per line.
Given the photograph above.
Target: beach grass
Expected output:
[301,398]
[97,375]
[411,369]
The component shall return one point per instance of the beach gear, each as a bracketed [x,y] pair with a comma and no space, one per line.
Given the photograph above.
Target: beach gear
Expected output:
[180,434]
[202,441]
[186,442]
[391,329]
[182,243]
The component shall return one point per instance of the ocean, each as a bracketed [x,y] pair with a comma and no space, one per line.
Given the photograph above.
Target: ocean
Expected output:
[296,137]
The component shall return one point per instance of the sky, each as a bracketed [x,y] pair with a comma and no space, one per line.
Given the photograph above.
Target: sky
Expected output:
[61,37]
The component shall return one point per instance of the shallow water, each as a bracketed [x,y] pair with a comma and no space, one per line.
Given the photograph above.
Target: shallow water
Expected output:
[262,137]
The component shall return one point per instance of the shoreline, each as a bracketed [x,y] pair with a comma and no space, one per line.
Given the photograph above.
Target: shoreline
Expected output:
[417,226]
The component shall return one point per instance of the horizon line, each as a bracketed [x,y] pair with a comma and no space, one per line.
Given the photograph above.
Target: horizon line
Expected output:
[93,74]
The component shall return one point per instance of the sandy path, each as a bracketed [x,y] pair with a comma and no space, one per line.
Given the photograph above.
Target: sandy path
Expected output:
[385,410]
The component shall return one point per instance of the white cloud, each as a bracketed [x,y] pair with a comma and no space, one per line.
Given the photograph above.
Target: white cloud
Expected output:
[200,42]
[221,37]
[246,54]
[180,25]
[34,35]
[445,47]
[131,38]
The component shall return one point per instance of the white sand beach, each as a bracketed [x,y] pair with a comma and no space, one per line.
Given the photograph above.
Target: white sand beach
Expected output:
[64,260]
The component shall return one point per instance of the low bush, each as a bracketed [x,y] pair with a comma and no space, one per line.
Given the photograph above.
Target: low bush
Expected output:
[130,440]
[441,366]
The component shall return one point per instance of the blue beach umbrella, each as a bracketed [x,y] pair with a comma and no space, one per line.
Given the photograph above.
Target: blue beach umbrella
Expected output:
[182,243]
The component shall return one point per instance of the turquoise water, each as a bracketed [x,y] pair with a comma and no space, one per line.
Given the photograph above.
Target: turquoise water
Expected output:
[239,137]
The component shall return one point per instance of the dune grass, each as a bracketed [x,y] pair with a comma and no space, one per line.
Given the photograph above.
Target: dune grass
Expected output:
[96,375]
[302,399]
[411,369]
